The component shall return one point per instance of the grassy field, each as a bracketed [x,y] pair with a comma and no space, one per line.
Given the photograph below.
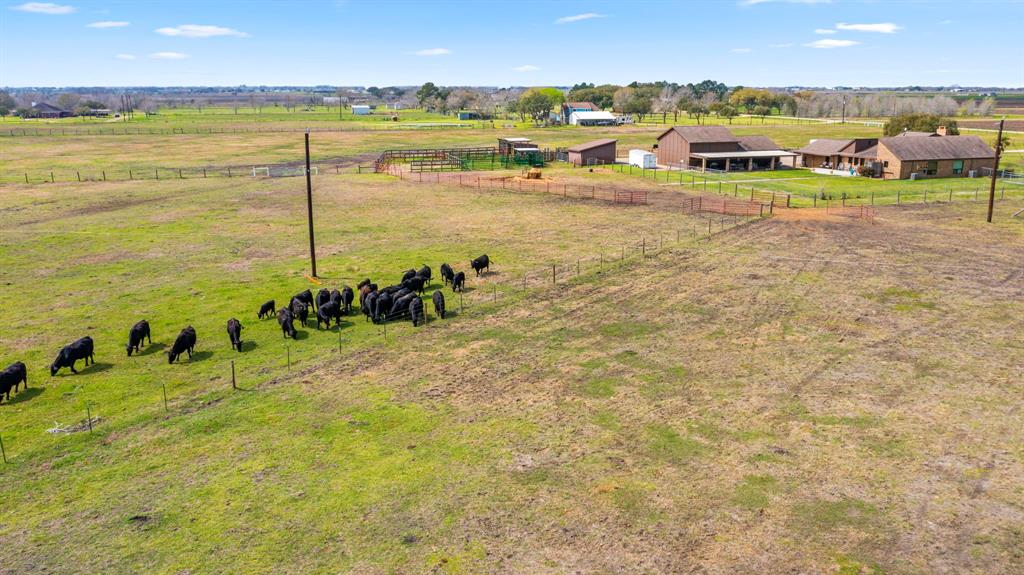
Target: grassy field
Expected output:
[796,394]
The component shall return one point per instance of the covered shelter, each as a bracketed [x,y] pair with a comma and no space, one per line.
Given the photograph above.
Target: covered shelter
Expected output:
[716,148]
[508,146]
[590,118]
[595,152]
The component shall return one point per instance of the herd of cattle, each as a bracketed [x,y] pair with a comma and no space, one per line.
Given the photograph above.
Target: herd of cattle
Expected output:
[379,305]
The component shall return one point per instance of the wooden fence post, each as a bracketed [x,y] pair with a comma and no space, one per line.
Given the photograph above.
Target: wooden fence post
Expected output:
[164,386]
[2,450]
[233,384]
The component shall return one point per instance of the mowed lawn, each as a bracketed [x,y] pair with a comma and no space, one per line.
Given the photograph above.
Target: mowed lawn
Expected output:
[785,396]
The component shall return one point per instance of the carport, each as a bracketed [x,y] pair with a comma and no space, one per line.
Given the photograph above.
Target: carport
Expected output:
[741,160]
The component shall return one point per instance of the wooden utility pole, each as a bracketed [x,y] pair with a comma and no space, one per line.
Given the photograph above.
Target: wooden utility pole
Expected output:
[309,209]
[995,170]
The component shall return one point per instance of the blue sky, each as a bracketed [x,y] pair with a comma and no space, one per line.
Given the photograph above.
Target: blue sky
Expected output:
[750,42]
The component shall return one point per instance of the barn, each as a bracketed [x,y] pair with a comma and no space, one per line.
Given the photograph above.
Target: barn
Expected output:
[595,152]
[716,148]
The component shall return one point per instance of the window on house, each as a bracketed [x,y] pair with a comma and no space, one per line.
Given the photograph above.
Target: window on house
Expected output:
[931,168]
[885,164]
[958,167]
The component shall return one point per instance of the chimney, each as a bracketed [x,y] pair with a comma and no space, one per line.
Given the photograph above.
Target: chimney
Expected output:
[941,130]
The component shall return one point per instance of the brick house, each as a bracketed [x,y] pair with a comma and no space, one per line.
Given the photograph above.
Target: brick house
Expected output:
[933,157]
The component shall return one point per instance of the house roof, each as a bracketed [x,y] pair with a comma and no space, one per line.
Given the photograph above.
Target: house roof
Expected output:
[44,107]
[868,153]
[702,134]
[591,145]
[943,148]
[909,133]
[824,147]
[757,143]
[582,106]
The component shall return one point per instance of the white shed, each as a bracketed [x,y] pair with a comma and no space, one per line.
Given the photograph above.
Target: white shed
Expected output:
[361,110]
[591,118]
[643,159]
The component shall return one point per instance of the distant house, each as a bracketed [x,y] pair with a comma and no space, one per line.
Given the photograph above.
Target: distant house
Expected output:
[361,109]
[910,155]
[590,118]
[465,115]
[716,148]
[569,107]
[44,110]
[595,152]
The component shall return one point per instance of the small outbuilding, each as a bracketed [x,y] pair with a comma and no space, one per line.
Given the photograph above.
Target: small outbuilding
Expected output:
[361,110]
[595,152]
[643,159]
[508,146]
[590,118]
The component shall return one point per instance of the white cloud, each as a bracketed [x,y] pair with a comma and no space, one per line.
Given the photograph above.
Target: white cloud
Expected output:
[881,27]
[526,68]
[45,8]
[108,24]
[741,50]
[433,52]
[125,56]
[199,31]
[824,31]
[168,56]
[832,43]
[579,17]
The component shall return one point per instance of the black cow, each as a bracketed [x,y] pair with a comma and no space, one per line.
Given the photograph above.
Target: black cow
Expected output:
[408,274]
[336,296]
[369,304]
[72,352]
[382,307]
[365,282]
[447,273]
[401,293]
[300,311]
[438,298]
[425,273]
[285,320]
[305,297]
[346,299]
[139,332]
[323,296]
[184,343]
[416,311]
[391,289]
[267,310]
[459,281]
[415,283]
[401,306]
[12,376]
[328,311]
[235,333]
[481,263]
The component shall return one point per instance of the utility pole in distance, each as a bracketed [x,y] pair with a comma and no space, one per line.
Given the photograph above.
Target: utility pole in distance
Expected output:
[995,170]
[309,208]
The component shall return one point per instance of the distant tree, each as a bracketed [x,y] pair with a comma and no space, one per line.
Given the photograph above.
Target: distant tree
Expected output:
[919,123]
[717,89]
[538,102]
[601,96]
[426,92]
[7,103]
[68,100]
[696,111]
[639,104]
[787,105]
[375,91]
[727,111]
[762,111]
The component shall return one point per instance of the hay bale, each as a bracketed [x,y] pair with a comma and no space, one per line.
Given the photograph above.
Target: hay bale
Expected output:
[533,174]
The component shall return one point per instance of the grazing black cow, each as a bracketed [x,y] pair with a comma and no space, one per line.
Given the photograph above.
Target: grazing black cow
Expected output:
[391,289]
[459,281]
[447,273]
[72,352]
[12,376]
[408,274]
[184,343]
[415,283]
[285,320]
[267,310]
[370,304]
[416,312]
[336,296]
[300,311]
[138,332]
[305,297]
[323,296]
[328,311]
[400,307]
[481,263]
[365,282]
[235,333]
[438,298]
[401,293]
[425,273]
[382,307]
[346,299]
